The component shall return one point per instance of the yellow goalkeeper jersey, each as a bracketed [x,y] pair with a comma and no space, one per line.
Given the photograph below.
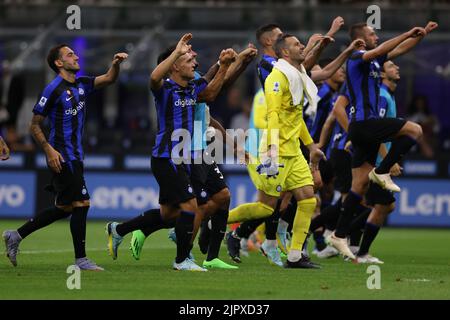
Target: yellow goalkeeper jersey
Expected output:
[284,116]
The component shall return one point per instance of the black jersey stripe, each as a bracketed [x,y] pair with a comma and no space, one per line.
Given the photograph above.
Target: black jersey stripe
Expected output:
[350,90]
[166,139]
[365,89]
[75,124]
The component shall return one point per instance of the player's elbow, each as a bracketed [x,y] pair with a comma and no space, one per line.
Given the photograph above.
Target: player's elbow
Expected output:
[154,80]
[335,111]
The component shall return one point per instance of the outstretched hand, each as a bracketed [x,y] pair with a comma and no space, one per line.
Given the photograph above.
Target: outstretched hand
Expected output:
[183,45]
[249,53]
[431,25]
[417,32]
[336,25]
[356,44]
[119,58]
[227,56]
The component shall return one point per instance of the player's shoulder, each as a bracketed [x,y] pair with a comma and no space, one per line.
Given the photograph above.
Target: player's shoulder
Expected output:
[276,75]
[324,89]
[51,88]
[383,92]
[267,62]
[357,55]
[198,81]
[85,79]
[275,81]
[168,84]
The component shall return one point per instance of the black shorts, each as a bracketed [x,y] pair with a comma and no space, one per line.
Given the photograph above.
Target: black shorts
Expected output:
[341,161]
[326,171]
[173,180]
[69,185]
[207,180]
[377,195]
[367,135]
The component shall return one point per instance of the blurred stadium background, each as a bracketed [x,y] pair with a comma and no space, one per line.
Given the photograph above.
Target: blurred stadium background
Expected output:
[121,118]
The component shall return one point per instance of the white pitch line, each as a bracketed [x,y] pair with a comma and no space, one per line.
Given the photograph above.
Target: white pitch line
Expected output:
[55,251]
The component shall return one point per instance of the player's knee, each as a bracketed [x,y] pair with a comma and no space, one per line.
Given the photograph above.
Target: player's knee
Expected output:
[78,204]
[68,208]
[391,208]
[414,130]
[190,205]
[222,198]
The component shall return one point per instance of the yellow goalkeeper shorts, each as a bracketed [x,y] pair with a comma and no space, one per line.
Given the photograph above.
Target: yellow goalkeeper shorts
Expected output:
[295,174]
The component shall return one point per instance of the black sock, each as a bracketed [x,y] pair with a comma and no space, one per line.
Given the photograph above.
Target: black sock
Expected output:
[327,218]
[155,227]
[317,222]
[41,220]
[370,233]
[218,228]
[247,228]
[272,223]
[184,227]
[359,221]
[205,236]
[355,237]
[320,240]
[399,148]
[78,230]
[148,218]
[349,207]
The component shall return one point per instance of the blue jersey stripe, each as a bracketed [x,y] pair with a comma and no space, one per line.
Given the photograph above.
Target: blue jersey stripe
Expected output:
[175,107]
[264,68]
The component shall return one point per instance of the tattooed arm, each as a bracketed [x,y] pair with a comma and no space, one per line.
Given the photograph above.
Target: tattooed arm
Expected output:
[54,158]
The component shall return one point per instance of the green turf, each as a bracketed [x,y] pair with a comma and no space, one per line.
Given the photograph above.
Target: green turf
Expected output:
[417,266]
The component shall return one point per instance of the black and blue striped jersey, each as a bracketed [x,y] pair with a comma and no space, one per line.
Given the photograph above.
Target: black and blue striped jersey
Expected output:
[363,81]
[175,106]
[265,67]
[64,103]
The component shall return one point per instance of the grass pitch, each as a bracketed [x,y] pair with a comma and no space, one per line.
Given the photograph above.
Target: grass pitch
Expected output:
[417,266]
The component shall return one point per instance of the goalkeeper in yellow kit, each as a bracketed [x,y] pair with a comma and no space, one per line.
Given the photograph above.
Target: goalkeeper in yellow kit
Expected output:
[285,126]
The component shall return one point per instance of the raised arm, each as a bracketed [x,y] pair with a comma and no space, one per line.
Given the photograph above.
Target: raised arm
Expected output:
[340,113]
[113,72]
[410,43]
[161,70]
[243,60]
[227,57]
[391,44]
[334,65]
[326,130]
[313,54]
[54,158]
[336,25]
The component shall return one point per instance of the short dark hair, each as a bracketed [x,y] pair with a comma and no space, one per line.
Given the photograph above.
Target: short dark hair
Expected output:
[265,28]
[54,54]
[280,43]
[356,30]
[166,53]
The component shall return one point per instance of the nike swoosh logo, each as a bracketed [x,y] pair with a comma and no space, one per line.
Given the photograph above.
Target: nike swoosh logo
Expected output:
[67,99]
